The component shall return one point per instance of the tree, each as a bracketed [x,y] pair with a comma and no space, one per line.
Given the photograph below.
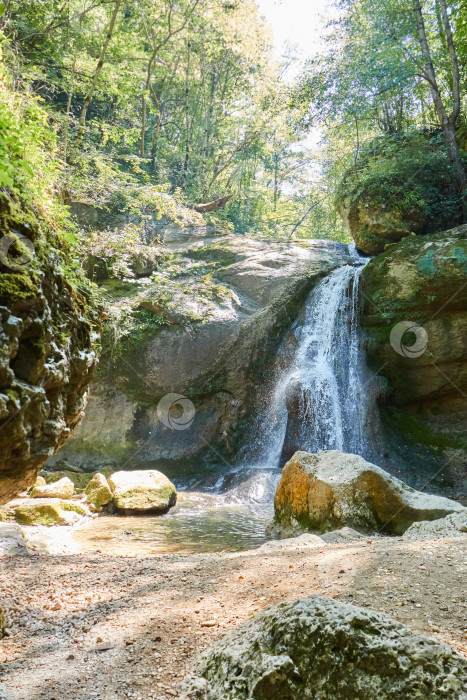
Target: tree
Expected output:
[447,120]
[97,72]
[389,67]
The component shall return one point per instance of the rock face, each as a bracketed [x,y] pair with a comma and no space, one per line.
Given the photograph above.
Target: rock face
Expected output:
[414,301]
[331,489]
[205,326]
[98,491]
[63,488]
[47,341]
[317,649]
[142,490]
[372,227]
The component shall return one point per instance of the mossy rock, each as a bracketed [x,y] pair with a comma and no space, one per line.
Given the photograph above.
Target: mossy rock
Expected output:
[72,507]
[45,513]
[48,323]
[418,285]
[80,480]
[142,490]
[49,511]
[402,184]
[98,492]
[63,488]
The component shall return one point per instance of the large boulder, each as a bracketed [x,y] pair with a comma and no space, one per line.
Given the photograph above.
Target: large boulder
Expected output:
[142,491]
[48,340]
[318,649]
[98,491]
[331,489]
[205,326]
[63,488]
[401,185]
[414,302]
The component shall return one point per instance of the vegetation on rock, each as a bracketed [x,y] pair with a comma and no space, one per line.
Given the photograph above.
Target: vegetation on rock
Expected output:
[48,311]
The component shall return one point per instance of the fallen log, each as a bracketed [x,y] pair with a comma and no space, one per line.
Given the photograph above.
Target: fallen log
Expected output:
[212,206]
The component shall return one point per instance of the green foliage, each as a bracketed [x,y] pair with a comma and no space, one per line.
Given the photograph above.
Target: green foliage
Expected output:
[371,79]
[188,107]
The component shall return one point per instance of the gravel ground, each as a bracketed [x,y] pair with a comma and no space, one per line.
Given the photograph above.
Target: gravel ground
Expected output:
[106,627]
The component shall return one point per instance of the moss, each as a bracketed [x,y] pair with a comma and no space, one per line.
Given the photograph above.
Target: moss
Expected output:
[74,507]
[16,287]
[38,514]
[222,254]
[426,266]
[79,480]
[419,433]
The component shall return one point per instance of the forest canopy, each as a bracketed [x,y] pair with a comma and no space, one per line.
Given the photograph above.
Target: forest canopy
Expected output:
[184,99]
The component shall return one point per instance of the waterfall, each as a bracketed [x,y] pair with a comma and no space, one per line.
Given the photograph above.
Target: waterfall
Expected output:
[323,398]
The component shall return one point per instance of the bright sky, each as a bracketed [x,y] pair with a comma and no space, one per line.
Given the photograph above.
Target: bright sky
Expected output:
[296,21]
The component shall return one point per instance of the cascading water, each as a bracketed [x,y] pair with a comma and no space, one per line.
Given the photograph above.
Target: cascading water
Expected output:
[323,399]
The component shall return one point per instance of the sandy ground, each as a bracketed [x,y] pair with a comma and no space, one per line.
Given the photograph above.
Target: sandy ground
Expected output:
[99,626]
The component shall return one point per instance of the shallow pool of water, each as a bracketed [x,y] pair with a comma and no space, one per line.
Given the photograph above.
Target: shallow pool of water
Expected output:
[198,523]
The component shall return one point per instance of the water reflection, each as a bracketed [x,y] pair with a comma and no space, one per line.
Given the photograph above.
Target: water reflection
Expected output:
[198,523]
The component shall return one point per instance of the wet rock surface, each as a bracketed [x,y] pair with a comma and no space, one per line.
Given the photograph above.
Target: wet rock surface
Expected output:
[332,489]
[208,324]
[318,648]
[414,301]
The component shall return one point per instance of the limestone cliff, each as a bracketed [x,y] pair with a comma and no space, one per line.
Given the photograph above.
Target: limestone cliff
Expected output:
[414,299]
[48,343]
[205,324]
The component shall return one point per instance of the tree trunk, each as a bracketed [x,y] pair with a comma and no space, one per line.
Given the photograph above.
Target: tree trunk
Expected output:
[212,206]
[143,127]
[447,122]
[187,116]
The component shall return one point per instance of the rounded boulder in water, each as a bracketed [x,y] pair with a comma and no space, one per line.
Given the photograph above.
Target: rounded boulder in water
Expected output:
[142,490]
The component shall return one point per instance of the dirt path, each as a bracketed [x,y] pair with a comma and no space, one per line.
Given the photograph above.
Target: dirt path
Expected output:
[103,627]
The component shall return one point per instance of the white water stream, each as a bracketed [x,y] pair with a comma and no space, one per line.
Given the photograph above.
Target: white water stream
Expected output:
[323,399]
